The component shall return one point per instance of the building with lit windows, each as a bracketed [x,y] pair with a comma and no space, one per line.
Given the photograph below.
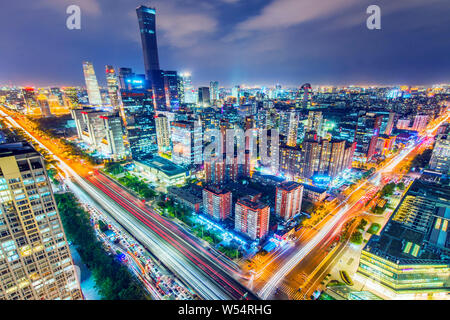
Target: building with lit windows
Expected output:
[171,89]
[186,143]
[155,76]
[410,259]
[440,158]
[252,218]
[366,136]
[214,91]
[112,82]
[35,259]
[315,122]
[217,203]
[204,96]
[163,133]
[140,128]
[288,199]
[91,84]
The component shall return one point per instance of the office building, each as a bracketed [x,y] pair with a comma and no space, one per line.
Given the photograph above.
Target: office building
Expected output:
[204,96]
[217,203]
[140,125]
[440,158]
[147,27]
[214,91]
[252,218]
[186,143]
[171,88]
[112,83]
[44,105]
[91,84]
[410,258]
[288,199]
[35,259]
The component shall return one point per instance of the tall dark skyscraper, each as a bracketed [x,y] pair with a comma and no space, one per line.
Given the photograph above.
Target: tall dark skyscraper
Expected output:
[147,28]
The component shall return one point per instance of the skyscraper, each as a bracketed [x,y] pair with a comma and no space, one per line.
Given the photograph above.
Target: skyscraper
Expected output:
[214,91]
[188,89]
[91,84]
[440,158]
[204,96]
[171,89]
[140,123]
[315,122]
[186,143]
[366,137]
[162,133]
[147,27]
[35,260]
[113,87]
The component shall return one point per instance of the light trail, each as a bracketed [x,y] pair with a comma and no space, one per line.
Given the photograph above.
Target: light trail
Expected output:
[273,282]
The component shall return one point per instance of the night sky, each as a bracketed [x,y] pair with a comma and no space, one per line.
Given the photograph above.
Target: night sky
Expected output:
[253,42]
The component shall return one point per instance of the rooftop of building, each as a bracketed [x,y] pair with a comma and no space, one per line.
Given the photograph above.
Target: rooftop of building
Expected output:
[216,190]
[406,243]
[16,148]
[254,205]
[289,185]
[313,188]
[164,165]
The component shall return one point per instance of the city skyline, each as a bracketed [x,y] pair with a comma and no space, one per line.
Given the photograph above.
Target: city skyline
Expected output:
[326,45]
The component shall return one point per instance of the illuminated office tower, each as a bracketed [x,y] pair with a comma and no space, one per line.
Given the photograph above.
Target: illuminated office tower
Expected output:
[186,143]
[217,203]
[147,27]
[91,84]
[252,218]
[35,260]
[288,127]
[204,96]
[236,92]
[189,96]
[162,133]
[315,122]
[288,199]
[180,89]
[214,91]
[44,105]
[171,89]
[366,137]
[440,158]
[113,87]
[140,125]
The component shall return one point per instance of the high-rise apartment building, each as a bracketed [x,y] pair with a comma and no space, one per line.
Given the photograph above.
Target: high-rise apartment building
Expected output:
[252,218]
[315,122]
[35,260]
[288,199]
[91,84]
[162,133]
[217,203]
[214,91]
